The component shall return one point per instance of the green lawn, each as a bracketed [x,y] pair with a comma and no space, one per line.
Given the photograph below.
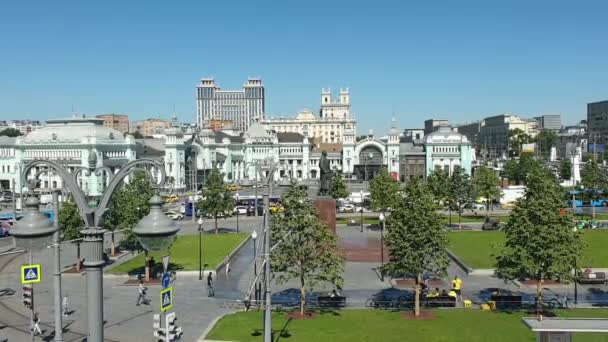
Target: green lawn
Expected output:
[184,253]
[476,248]
[465,219]
[377,325]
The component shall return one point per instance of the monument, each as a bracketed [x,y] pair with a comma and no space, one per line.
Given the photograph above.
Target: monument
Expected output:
[325,204]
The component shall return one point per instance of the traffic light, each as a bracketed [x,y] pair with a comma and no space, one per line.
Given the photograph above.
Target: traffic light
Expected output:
[159,331]
[28,296]
[173,331]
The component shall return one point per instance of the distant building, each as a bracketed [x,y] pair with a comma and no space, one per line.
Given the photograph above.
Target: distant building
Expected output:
[23,126]
[597,121]
[432,124]
[150,127]
[219,125]
[412,159]
[119,122]
[243,107]
[334,119]
[470,130]
[446,149]
[413,134]
[550,122]
[493,137]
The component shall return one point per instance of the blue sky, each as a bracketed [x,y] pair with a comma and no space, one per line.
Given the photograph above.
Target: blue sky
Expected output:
[460,60]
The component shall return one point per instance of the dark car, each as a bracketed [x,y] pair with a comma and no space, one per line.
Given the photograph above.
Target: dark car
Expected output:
[251,210]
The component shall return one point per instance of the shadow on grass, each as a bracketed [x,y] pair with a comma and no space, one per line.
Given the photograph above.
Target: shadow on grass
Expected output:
[156,269]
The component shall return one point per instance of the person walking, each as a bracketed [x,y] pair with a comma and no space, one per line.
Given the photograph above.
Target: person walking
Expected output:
[457,287]
[141,293]
[36,326]
[210,290]
[64,305]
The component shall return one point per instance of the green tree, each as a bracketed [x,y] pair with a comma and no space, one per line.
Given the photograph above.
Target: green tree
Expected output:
[486,184]
[540,241]
[439,184]
[565,169]
[217,200]
[71,224]
[461,192]
[517,138]
[384,191]
[338,186]
[545,140]
[128,205]
[10,132]
[306,249]
[137,135]
[416,238]
[517,170]
[593,178]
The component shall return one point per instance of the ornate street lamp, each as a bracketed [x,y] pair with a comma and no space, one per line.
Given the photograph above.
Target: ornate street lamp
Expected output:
[200,248]
[254,236]
[383,221]
[34,231]
[156,232]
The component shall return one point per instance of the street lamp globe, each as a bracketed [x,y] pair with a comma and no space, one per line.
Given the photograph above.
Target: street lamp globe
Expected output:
[156,231]
[381,217]
[254,235]
[34,230]
[200,221]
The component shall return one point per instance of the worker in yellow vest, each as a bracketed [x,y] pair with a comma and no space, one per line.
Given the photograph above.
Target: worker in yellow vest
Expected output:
[457,287]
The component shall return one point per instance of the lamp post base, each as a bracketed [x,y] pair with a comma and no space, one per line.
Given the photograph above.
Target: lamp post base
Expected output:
[93,265]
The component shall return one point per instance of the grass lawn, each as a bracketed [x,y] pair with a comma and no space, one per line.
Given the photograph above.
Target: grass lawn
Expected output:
[184,253]
[465,219]
[476,248]
[386,326]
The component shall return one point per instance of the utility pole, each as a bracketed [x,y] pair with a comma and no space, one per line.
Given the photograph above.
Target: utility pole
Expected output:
[267,311]
[57,273]
[31,261]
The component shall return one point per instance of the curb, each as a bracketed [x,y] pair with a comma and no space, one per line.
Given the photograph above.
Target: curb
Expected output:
[234,251]
[482,272]
[466,268]
[210,327]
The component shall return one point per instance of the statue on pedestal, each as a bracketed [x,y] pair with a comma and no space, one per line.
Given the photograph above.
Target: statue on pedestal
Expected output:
[325,175]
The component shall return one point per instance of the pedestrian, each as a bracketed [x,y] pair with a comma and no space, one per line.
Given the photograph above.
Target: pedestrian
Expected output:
[141,293]
[64,305]
[457,287]
[36,326]
[227,269]
[210,290]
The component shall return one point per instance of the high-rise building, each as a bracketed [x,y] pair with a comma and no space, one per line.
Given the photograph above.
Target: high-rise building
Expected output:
[119,122]
[597,121]
[242,107]
[551,122]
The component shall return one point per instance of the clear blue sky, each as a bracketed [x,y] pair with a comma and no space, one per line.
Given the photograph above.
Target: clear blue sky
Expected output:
[460,60]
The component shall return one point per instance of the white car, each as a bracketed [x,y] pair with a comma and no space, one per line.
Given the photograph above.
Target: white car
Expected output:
[241,209]
[347,208]
[174,216]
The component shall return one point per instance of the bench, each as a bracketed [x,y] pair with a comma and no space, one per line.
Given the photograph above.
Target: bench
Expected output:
[507,301]
[441,302]
[491,223]
[332,302]
[592,278]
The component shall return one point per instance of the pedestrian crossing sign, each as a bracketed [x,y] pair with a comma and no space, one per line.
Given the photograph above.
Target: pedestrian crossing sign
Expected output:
[31,274]
[166,299]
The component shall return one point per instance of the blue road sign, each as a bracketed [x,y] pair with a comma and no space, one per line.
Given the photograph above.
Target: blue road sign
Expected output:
[30,274]
[166,299]
[166,281]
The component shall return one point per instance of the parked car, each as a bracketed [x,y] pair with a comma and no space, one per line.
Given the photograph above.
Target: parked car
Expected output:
[233,187]
[346,208]
[241,209]
[173,215]
[251,210]
[171,199]
[276,208]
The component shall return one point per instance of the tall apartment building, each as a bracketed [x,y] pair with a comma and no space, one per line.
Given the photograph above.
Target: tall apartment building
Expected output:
[334,119]
[23,126]
[119,122]
[551,122]
[150,127]
[597,121]
[242,107]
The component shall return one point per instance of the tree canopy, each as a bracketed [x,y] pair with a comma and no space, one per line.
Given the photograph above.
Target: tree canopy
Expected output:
[517,170]
[416,238]
[541,242]
[486,184]
[128,205]
[517,138]
[217,200]
[439,185]
[10,132]
[384,191]
[306,249]
[594,179]
[545,140]
[461,192]
[338,186]
[565,169]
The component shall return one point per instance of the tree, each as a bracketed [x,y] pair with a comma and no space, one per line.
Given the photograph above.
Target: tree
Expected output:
[71,224]
[517,138]
[565,169]
[128,205]
[384,191]
[338,186]
[517,170]
[306,249]
[486,184]
[439,184]
[593,178]
[461,192]
[541,242]
[10,132]
[217,200]
[416,238]
[545,140]
[137,135]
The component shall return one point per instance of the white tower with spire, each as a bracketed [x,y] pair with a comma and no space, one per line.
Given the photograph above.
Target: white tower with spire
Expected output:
[392,150]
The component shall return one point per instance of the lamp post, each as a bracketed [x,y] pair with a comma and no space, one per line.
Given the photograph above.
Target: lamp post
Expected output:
[200,248]
[254,236]
[155,231]
[361,210]
[237,212]
[382,219]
